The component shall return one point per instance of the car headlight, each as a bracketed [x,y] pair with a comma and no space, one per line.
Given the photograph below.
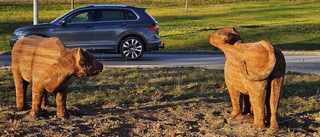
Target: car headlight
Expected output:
[18,33]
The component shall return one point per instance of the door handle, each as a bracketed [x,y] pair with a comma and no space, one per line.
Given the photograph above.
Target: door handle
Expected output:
[122,24]
[88,26]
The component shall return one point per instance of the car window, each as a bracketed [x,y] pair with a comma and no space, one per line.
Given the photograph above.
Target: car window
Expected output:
[131,15]
[82,16]
[110,14]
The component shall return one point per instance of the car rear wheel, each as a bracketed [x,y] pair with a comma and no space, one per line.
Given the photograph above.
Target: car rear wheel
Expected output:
[132,48]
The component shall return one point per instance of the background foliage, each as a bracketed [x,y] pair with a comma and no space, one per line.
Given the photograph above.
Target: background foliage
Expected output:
[289,24]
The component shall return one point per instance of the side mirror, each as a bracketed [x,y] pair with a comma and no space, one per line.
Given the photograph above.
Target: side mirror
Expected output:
[63,23]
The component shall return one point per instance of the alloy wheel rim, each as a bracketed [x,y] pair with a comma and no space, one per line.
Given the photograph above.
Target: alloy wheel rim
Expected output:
[132,48]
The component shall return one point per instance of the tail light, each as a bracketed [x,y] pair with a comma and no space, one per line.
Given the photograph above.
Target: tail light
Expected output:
[153,27]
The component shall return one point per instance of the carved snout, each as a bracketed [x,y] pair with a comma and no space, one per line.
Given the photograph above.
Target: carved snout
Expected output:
[221,37]
[87,64]
[211,39]
[98,68]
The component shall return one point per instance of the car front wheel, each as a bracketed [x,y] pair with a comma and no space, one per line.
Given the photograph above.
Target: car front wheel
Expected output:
[132,48]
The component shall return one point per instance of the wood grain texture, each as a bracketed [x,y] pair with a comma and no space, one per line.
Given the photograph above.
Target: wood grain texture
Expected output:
[48,65]
[254,69]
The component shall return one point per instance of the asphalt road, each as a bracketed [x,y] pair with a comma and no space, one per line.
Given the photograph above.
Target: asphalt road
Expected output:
[295,63]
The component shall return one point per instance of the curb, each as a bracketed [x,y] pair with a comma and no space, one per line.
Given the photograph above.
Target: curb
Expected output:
[302,53]
[215,52]
[305,53]
[186,52]
[5,52]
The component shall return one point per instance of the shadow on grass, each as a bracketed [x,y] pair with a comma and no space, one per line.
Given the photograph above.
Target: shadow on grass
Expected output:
[6,30]
[298,121]
[294,119]
[300,102]
[9,27]
[122,115]
[296,85]
[196,31]
[252,26]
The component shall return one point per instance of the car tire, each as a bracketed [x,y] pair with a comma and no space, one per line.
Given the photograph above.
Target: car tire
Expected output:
[132,48]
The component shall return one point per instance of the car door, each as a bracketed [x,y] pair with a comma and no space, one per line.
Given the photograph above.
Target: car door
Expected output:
[110,23]
[76,30]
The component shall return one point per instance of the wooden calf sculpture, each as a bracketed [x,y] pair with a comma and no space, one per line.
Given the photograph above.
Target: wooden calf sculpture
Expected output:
[254,69]
[48,65]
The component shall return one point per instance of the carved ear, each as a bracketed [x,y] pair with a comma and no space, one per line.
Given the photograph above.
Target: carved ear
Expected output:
[227,37]
[235,36]
[233,30]
[80,56]
[258,61]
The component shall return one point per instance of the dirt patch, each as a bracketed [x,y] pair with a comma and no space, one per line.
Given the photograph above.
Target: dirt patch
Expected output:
[169,102]
[191,117]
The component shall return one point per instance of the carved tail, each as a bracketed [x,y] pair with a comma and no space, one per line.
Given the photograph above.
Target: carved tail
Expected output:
[258,61]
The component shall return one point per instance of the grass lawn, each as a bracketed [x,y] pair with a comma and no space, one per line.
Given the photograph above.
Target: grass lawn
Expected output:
[289,25]
[298,108]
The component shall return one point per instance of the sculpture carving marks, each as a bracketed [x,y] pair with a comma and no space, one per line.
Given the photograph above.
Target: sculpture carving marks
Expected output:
[254,69]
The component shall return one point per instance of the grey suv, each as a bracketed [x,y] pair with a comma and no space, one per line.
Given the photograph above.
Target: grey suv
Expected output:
[124,29]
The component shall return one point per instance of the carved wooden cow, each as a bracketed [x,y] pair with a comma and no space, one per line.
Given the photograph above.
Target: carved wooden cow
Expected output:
[48,65]
[254,69]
